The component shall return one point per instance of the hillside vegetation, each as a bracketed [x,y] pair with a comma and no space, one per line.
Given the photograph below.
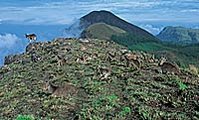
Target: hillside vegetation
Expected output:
[109,18]
[111,83]
[183,55]
[101,31]
[179,35]
[105,25]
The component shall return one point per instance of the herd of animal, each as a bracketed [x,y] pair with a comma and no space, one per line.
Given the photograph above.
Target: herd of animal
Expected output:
[69,89]
[166,67]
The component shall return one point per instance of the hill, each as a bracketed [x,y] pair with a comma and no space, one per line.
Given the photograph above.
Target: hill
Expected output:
[183,55]
[105,25]
[179,35]
[101,31]
[111,83]
[112,20]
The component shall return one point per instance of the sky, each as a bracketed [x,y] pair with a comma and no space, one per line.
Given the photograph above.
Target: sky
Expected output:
[66,11]
[152,15]
[49,18]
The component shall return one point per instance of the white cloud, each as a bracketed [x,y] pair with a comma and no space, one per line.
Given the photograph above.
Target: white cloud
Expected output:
[73,30]
[190,10]
[63,12]
[9,44]
[150,28]
[8,40]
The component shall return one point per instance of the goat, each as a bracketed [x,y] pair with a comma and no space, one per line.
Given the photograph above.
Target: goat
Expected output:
[31,37]
[61,61]
[104,72]
[60,91]
[132,60]
[84,59]
[168,67]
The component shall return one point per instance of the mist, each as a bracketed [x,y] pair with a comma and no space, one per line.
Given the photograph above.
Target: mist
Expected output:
[74,30]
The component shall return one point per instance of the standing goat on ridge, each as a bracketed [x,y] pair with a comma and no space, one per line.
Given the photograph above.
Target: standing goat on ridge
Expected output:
[31,37]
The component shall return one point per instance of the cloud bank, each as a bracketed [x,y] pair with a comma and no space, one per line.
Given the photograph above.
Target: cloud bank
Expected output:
[9,44]
[8,40]
[151,28]
[64,12]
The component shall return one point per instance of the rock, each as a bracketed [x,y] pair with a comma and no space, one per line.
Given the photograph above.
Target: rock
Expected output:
[32,47]
[11,58]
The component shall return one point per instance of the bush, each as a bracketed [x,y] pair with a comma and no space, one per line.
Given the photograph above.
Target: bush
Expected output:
[25,117]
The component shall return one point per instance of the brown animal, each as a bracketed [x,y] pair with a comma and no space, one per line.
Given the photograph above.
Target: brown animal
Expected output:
[130,56]
[61,61]
[111,56]
[83,48]
[104,72]
[133,60]
[84,59]
[168,67]
[60,91]
[31,37]
[193,69]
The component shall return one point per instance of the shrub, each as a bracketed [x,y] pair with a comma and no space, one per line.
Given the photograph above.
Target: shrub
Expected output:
[25,117]
[125,111]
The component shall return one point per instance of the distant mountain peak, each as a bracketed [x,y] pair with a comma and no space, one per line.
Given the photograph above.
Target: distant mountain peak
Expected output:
[109,18]
[179,34]
[98,14]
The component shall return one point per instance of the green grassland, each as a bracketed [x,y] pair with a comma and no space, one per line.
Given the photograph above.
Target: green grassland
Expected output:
[183,55]
[128,92]
[180,54]
[102,31]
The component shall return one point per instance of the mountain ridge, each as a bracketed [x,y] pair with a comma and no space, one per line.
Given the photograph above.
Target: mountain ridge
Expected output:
[109,18]
[179,35]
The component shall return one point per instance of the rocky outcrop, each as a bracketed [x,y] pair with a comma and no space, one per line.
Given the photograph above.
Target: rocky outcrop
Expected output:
[12,58]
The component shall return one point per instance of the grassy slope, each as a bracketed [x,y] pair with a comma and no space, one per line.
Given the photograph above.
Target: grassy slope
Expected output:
[179,35]
[128,93]
[109,18]
[102,31]
[183,55]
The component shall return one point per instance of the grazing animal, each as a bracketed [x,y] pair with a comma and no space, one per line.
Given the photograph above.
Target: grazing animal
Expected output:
[168,67]
[84,59]
[132,60]
[193,69]
[60,91]
[104,72]
[82,48]
[31,37]
[131,56]
[111,56]
[61,61]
